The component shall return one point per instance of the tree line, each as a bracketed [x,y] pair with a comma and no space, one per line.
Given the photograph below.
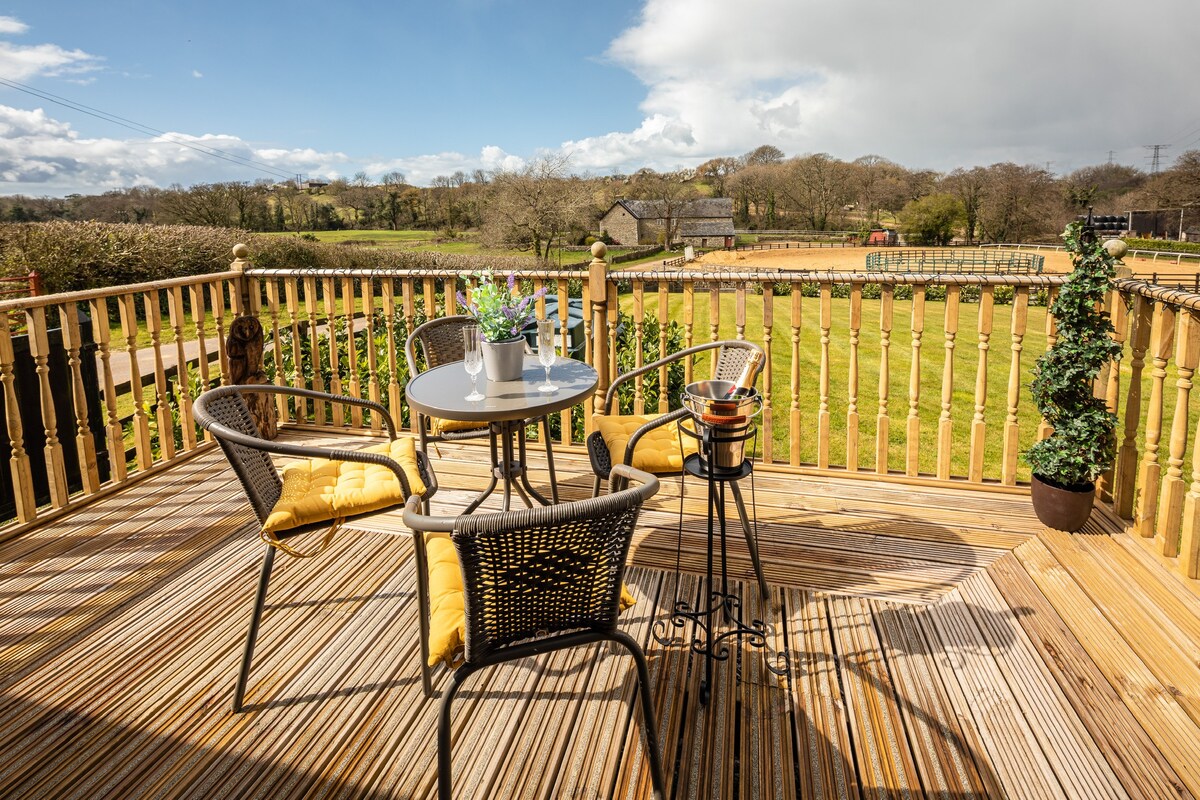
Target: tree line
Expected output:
[545,203]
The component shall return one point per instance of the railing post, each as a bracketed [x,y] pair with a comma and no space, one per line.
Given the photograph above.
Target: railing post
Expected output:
[1110,377]
[598,291]
[241,294]
[22,476]
[1187,354]
[1125,478]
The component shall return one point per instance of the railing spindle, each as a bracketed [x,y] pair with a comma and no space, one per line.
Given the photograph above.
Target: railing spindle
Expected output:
[1162,337]
[199,322]
[852,379]
[664,323]
[115,437]
[739,314]
[639,330]
[429,286]
[689,324]
[183,376]
[1012,444]
[1187,354]
[823,409]
[85,446]
[39,348]
[564,321]
[1110,379]
[1127,457]
[768,423]
[978,424]
[945,439]
[141,424]
[1051,339]
[374,390]
[329,295]
[348,306]
[794,411]
[314,342]
[912,456]
[162,397]
[18,460]
[216,294]
[389,315]
[882,422]
[1189,537]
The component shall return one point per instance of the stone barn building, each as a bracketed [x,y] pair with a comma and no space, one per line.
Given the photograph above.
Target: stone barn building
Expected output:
[702,223]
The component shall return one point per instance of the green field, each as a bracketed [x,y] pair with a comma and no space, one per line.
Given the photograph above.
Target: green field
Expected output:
[432,241]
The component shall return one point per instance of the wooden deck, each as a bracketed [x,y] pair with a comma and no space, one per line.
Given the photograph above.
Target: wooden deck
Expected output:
[943,645]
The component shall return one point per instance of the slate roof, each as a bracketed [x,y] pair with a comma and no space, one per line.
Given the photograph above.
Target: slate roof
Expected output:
[708,207]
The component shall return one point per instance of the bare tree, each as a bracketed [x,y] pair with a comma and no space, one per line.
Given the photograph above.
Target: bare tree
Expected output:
[1018,203]
[534,207]
[968,187]
[818,186]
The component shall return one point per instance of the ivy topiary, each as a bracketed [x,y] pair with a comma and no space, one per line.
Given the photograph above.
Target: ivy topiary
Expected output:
[1084,440]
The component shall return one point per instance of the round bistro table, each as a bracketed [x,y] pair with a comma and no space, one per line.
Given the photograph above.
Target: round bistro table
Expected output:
[506,406]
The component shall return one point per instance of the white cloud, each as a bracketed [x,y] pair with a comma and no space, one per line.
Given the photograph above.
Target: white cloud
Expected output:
[42,156]
[197,73]
[939,85]
[421,170]
[12,26]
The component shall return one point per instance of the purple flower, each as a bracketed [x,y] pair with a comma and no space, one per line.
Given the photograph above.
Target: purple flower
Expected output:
[462,298]
[512,281]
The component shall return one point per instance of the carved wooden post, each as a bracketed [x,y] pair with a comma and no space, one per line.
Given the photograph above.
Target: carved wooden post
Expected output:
[245,352]
[598,291]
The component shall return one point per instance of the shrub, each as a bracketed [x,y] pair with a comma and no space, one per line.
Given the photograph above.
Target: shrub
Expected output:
[1163,246]
[1084,439]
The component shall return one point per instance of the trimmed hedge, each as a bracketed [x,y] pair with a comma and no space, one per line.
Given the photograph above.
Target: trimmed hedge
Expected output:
[1163,246]
[73,256]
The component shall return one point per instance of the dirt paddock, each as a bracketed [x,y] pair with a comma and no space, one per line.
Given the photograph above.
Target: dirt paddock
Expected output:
[853,259]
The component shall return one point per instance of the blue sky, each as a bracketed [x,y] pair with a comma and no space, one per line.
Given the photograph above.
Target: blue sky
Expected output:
[328,89]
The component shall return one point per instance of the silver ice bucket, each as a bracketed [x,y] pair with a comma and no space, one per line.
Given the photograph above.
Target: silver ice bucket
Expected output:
[729,419]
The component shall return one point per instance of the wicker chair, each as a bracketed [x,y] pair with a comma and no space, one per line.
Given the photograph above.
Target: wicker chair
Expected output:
[440,341]
[729,360]
[538,580]
[223,412]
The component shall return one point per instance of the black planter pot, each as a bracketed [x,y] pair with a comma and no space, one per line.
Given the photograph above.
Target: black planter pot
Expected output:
[1061,508]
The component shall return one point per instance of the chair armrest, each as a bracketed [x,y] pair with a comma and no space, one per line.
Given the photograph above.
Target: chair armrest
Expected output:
[425,523]
[270,388]
[657,422]
[622,474]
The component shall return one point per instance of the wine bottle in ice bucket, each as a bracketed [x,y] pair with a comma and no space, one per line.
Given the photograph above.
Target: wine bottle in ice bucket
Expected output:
[743,385]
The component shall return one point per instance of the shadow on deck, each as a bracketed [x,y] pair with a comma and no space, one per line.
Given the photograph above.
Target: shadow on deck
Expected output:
[943,644]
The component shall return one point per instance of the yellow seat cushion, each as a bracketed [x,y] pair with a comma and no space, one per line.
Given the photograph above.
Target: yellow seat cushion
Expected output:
[438,426]
[317,489]
[447,613]
[657,452]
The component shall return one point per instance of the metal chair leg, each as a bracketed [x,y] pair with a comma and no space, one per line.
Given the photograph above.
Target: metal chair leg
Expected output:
[649,726]
[264,578]
[550,460]
[751,539]
[421,563]
[445,786]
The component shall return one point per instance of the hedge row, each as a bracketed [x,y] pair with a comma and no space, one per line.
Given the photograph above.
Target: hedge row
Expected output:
[73,256]
[1163,246]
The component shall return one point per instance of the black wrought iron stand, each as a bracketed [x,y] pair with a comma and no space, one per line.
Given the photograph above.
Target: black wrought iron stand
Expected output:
[722,608]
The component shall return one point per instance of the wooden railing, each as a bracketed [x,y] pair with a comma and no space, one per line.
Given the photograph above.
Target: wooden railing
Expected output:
[849,383]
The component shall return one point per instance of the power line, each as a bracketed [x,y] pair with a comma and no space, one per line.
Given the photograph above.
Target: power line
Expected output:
[138,127]
[1154,159]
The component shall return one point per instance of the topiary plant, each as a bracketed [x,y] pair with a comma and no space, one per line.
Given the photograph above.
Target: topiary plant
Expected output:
[1083,443]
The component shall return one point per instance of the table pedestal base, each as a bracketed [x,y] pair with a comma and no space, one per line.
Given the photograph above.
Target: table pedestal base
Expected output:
[508,466]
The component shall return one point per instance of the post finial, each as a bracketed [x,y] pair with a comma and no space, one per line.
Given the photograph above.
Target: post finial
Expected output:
[599,250]
[241,258]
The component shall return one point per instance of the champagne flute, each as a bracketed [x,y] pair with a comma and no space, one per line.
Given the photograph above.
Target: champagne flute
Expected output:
[472,358]
[546,354]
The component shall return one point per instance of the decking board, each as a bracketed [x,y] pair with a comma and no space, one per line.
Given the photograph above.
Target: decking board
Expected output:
[942,643]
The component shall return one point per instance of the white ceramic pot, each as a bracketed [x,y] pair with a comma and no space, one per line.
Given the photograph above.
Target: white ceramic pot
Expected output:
[504,361]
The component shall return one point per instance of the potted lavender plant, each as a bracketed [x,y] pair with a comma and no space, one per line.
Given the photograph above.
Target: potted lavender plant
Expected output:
[502,314]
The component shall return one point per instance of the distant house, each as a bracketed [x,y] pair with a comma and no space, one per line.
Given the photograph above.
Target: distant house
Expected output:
[703,223]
